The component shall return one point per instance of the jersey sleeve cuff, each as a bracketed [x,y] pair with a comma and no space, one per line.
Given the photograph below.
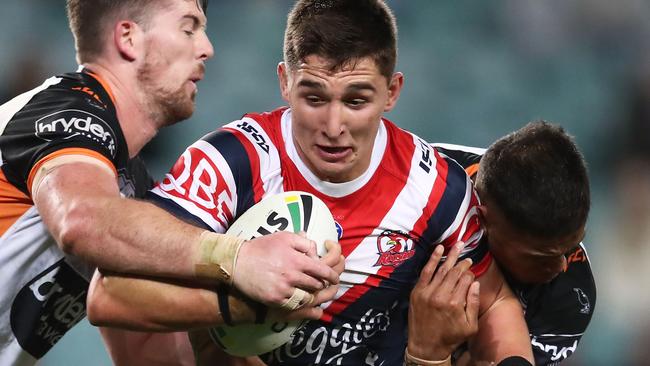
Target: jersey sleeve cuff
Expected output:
[66,156]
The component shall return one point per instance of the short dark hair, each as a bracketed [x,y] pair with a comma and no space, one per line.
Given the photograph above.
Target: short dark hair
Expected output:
[88,20]
[342,31]
[538,178]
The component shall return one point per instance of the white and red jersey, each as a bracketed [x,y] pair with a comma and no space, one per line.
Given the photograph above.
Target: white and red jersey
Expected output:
[389,220]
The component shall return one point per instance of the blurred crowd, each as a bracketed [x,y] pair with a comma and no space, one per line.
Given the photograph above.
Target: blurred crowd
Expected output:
[474,71]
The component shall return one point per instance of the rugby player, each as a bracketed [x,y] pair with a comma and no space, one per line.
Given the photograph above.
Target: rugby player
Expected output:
[69,153]
[535,197]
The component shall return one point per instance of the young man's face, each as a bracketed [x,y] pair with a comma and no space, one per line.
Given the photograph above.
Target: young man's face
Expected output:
[176,47]
[528,259]
[336,114]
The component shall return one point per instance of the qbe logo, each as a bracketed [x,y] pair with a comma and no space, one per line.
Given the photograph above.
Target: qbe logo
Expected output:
[74,122]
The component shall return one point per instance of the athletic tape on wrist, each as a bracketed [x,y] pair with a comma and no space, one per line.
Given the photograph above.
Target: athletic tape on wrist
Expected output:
[218,256]
[410,360]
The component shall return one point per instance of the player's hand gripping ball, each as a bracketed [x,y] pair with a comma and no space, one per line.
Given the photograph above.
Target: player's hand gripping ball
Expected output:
[289,211]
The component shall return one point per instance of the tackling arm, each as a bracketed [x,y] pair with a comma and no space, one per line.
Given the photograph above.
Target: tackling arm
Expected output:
[153,304]
[502,327]
[149,305]
[443,310]
[81,206]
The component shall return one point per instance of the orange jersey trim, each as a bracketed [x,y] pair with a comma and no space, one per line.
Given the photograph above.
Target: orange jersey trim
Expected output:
[67,151]
[472,170]
[576,257]
[14,204]
[103,84]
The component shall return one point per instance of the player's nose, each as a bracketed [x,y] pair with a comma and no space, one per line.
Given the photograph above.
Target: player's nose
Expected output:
[335,123]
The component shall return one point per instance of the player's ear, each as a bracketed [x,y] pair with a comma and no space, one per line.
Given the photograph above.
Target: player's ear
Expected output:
[127,37]
[283,79]
[394,90]
[483,214]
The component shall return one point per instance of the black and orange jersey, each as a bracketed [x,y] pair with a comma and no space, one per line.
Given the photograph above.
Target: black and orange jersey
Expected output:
[557,313]
[44,291]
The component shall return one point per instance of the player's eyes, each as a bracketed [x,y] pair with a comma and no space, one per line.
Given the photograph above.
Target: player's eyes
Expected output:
[356,102]
[314,99]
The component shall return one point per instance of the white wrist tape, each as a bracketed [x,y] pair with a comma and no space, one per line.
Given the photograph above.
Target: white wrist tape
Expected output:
[217,256]
[410,360]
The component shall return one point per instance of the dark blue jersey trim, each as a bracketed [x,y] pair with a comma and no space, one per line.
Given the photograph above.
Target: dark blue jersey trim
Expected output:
[176,210]
[236,156]
[452,199]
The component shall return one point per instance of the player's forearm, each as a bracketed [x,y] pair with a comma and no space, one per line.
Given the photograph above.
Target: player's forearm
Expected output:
[155,306]
[82,208]
[147,305]
[502,333]
[136,237]
[502,328]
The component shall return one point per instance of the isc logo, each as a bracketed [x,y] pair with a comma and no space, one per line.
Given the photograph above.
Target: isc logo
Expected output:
[425,160]
[259,139]
[73,122]
[275,223]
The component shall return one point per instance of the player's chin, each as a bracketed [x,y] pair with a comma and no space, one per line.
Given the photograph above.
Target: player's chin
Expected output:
[179,113]
[334,172]
[186,108]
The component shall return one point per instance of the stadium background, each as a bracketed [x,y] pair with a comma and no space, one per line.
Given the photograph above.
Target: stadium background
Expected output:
[474,71]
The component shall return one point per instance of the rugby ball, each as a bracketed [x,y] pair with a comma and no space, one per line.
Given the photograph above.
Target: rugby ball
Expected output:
[288,211]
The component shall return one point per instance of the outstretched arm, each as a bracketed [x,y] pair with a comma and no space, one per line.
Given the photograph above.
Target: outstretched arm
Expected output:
[153,304]
[81,206]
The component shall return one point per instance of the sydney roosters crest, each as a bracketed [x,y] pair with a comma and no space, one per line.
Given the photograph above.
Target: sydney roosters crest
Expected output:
[394,247]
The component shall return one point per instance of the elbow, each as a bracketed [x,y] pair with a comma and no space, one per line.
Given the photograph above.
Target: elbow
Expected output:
[94,315]
[96,302]
[97,319]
